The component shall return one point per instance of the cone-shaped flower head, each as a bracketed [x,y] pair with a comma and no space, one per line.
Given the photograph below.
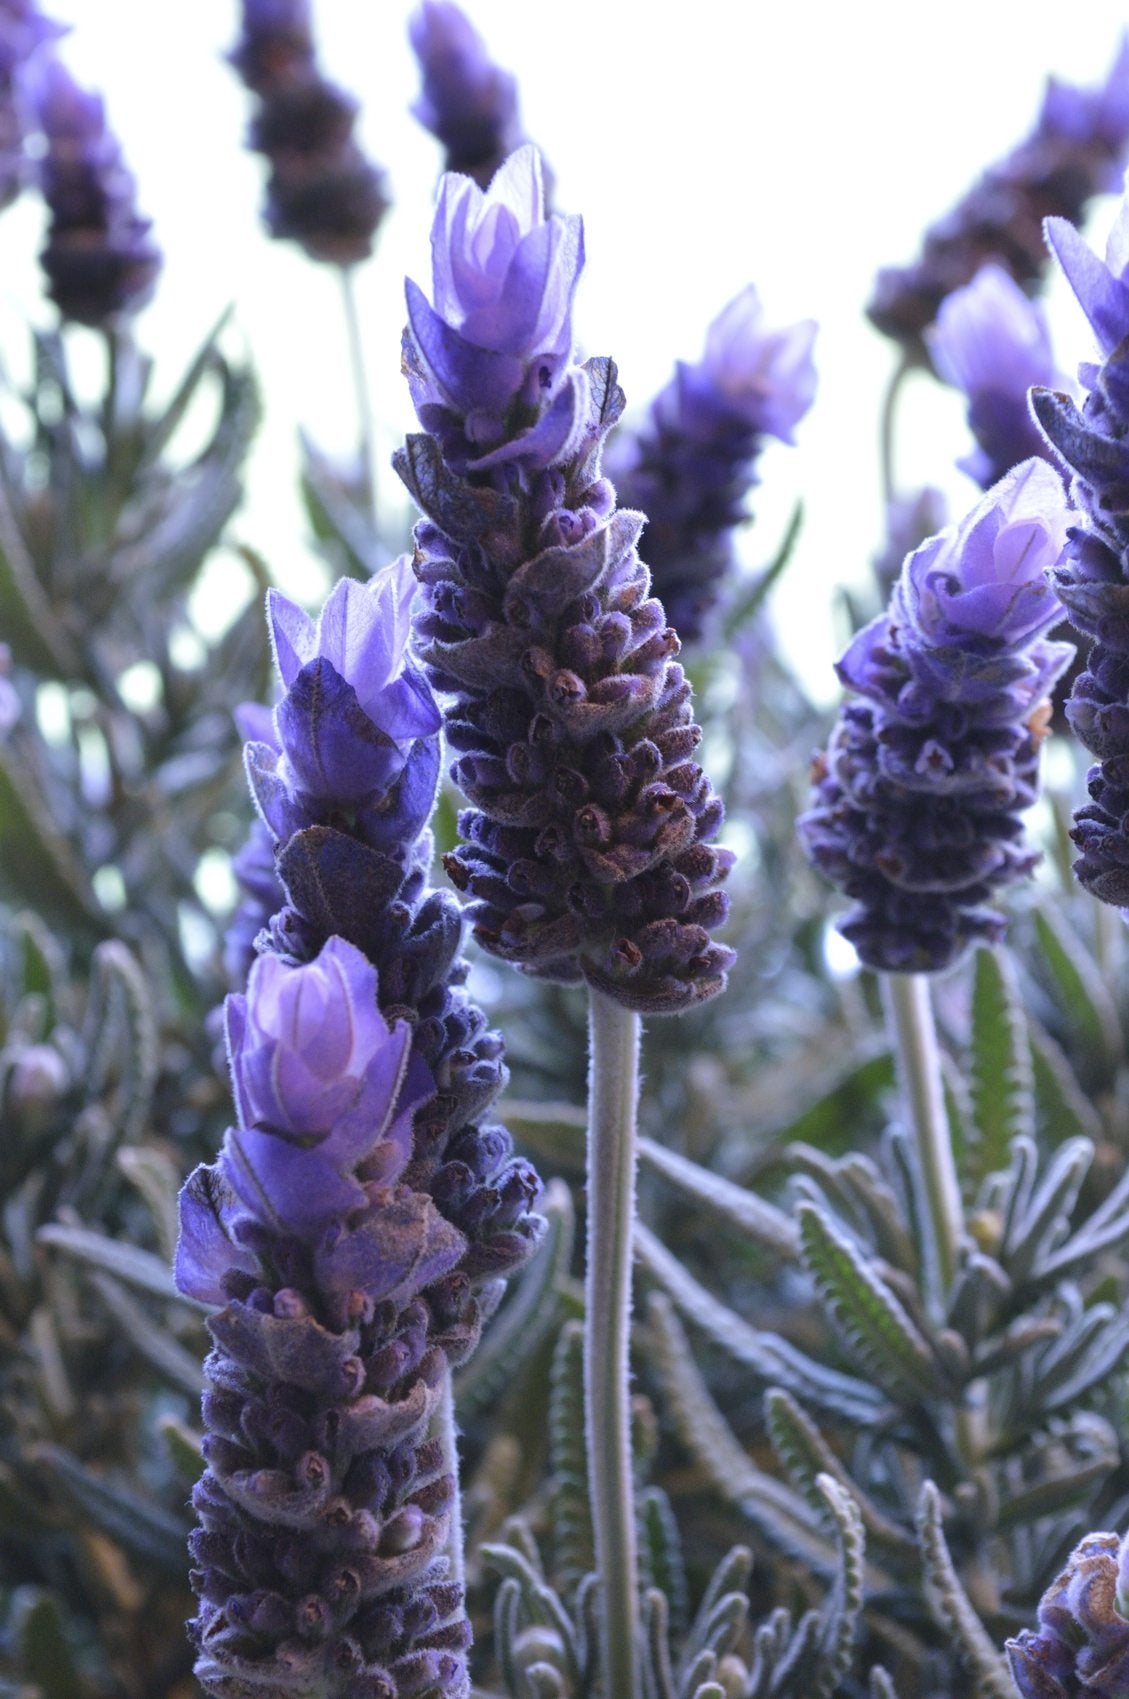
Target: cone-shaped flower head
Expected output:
[322,192]
[691,469]
[995,345]
[99,258]
[1093,579]
[587,851]
[1076,150]
[467,102]
[1080,1649]
[353,702]
[918,800]
[488,363]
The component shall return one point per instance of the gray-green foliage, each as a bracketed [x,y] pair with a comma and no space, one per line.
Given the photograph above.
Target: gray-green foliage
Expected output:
[976,1445]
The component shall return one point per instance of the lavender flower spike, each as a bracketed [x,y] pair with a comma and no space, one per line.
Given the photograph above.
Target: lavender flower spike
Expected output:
[23,32]
[1076,150]
[467,102]
[99,258]
[918,799]
[1093,579]
[322,192]
[1080,1649]
[691,469]
[588,851]
[994,344]
[323,1507]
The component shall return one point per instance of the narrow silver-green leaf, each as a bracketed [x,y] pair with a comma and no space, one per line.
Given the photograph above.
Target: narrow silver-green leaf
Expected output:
[951,1606]
[741,1208]
[860,1302]
[1001,1087]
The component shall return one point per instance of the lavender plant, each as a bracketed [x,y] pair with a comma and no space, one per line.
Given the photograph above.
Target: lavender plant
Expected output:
[588,849]
[321,192]
[1075,151]
[356,1222]
[994,344]
[1090,578]
[691,469]
[468,103]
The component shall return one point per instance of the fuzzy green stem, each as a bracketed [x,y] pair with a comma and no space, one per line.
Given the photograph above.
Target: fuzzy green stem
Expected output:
[365,434]
[447,1432]
[886,430]
[613,1090]
[919,1066]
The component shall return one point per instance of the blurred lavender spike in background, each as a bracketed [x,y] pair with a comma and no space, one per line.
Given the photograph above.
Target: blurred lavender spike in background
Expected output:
[1076,150]
[994,344]
[99,258]
[692,466]
[23,30]
[1080,1649]
[589,849]
[918,800]
[321,192]
[468,102]
[1093,580]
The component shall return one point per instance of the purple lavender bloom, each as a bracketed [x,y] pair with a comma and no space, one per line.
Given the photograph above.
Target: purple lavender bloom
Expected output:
[322,192]
[99,258]
[1080,1649]
[323,1508]
[994,344]
[361,1213]
[23,31]
[692,468]
[353,704]
[1093,579]
[263,896]
[1076,150]
[588,851]
[918,799]
[467,102]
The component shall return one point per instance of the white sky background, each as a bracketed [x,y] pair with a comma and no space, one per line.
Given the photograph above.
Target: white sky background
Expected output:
[798,146]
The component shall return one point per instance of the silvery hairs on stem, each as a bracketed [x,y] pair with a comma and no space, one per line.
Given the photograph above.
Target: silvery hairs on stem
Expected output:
[588,852]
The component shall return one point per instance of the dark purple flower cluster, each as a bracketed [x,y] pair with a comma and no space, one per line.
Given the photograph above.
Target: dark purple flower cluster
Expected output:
[692,468]
[918,799]
[23,31]
[589,850]
[1076,150]
[1093,580]
[468,103]
[993,343]
[99,257]
[358,1220]
[1080,1649]
[322,192]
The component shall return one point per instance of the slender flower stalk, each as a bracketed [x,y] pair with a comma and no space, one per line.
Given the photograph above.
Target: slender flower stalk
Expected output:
[613,1094]
[691,469]
[910,1017]
[918,800]
[1076,150]
[587,852]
